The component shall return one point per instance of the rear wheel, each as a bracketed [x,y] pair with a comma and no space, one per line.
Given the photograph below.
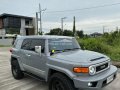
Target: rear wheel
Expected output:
[16,72]
[59,81]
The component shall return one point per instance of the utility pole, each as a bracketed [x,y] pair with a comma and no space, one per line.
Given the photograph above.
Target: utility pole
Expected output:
[104,29]
[62,24]
[40,19]
[37,22]
[74,28]
[117,29]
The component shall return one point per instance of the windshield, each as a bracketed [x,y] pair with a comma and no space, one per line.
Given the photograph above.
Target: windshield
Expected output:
[61,44]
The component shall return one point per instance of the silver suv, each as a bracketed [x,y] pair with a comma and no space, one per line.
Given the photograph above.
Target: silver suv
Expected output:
[60,61]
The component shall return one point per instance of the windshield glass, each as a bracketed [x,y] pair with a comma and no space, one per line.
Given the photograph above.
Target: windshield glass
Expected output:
[61,44]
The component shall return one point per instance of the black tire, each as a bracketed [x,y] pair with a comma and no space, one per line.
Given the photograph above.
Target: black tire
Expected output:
[16,71]
[59,81]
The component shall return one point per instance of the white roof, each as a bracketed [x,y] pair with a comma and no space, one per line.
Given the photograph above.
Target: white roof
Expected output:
[44,36]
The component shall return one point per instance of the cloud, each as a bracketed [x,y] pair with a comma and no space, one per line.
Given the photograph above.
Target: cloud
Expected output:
[89,20]
[89,26]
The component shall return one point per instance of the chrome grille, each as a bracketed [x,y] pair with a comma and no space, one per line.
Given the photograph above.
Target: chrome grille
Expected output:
[102,67]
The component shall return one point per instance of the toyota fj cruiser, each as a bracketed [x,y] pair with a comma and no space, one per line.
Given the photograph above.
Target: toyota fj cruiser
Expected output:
[60,61]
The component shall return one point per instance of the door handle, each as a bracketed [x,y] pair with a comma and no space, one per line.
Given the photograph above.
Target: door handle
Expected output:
[28,55]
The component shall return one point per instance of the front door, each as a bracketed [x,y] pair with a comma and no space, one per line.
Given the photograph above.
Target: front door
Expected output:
[37,62]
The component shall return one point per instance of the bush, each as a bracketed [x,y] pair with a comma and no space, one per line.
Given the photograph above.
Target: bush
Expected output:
[94,45]
[115,55]
[109,45]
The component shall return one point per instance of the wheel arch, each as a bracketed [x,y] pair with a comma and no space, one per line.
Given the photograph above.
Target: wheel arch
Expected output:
[53,71]
[13,58]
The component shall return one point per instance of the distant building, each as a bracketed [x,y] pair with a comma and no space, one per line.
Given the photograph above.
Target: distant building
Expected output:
[15,24]
[96,34]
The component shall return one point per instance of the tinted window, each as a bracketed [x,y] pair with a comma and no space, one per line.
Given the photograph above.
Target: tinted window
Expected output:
[63,44]
[26,44]
[12,22]
[37,42]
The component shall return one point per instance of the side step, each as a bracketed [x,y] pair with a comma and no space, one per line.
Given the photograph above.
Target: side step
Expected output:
[34,76]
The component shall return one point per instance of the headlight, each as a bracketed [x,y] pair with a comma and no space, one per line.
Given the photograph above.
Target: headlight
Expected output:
[92,70]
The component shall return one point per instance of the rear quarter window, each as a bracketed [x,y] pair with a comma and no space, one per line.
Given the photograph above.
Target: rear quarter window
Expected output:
[17,44]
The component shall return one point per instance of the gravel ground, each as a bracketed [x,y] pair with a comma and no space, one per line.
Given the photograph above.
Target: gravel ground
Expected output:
[7,82]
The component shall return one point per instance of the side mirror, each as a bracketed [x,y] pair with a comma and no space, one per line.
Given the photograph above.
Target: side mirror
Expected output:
[38,50]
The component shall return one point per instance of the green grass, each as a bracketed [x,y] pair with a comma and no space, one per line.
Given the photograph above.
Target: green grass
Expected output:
[107,45]
[1,45]
[5,46]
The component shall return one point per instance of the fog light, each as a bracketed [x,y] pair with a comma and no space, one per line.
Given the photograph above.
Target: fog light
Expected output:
[89,84]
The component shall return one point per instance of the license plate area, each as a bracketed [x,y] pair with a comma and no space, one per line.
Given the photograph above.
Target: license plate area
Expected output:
[110,79]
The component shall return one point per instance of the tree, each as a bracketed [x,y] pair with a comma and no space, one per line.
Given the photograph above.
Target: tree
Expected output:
[40,33]
[74,28]
[67,33]
[80,33]
[56,31]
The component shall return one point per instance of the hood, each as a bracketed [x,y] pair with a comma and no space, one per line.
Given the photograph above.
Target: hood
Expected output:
[81,56]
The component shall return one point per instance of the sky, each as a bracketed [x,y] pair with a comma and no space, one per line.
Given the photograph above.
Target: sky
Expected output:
[88,20]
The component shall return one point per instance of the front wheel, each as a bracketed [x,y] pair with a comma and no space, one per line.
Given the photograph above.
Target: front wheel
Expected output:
[59,81]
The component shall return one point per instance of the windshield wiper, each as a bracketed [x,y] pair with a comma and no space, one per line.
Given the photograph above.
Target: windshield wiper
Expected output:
[71,49]
[67,49]
[75,48]
[59,50]
[56,51]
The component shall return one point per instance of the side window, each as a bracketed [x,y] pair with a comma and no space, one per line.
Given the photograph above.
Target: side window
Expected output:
[17,43]
[37,42]
[26,44]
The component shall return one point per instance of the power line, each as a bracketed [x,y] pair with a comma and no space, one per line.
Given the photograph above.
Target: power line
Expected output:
[87,8]
[99,23]
[31,14]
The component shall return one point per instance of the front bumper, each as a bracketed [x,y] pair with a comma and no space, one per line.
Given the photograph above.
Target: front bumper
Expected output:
[99,80]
